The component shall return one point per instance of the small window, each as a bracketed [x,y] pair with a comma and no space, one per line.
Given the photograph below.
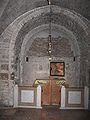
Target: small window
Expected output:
[26,59]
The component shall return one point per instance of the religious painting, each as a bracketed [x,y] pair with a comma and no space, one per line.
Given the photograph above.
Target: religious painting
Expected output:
[57,69]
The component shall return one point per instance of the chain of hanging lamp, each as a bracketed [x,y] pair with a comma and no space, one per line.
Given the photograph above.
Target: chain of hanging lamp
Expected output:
[49,37]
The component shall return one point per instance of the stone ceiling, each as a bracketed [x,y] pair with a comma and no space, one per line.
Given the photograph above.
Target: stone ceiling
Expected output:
[63,18]
[11,9]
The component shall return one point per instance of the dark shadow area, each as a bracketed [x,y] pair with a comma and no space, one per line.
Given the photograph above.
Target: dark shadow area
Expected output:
[46,113]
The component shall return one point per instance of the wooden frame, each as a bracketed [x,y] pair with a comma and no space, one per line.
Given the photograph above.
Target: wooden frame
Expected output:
[57,69]
[73,90]
[26,88]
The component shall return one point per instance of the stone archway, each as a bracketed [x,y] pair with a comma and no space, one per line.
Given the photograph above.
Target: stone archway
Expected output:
[72,21]
[35,34]
[13,29]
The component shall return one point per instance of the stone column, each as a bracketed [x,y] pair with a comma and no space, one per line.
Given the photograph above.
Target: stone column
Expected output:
[86,97]
[39,96]
[62,98]
[16,96]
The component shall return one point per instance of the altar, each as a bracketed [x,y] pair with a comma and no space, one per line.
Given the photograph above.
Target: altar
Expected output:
[51,92]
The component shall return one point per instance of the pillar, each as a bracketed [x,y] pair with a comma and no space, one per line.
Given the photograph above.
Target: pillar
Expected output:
[62,98]
[16,96]
[39,96]
[86,97]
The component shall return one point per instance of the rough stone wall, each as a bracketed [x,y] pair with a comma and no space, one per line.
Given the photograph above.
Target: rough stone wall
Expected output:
[39,68]
[4,86]
[38,65]
[60,47]
[16,8]
[3,4]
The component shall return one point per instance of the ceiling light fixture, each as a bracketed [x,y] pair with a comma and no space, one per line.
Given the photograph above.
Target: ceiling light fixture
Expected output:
[49,37]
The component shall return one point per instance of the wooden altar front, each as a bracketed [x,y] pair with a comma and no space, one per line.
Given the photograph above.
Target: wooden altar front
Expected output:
[51,91]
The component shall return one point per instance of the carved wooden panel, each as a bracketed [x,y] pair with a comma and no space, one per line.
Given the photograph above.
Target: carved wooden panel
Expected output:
[55,94]
[51,93]
[46,92]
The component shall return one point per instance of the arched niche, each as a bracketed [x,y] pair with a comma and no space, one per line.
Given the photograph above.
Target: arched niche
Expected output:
[71,21]
[41,32]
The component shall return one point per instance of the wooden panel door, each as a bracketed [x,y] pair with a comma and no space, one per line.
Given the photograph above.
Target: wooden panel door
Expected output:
[55,93]
[46,92]
[51,93]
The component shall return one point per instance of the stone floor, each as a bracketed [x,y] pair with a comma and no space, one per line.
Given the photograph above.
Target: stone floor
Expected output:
[43,114]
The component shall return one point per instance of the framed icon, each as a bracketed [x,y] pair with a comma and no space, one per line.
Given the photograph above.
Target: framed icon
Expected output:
[57,69]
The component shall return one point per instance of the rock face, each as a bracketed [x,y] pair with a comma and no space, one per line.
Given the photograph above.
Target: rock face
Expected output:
[24,31]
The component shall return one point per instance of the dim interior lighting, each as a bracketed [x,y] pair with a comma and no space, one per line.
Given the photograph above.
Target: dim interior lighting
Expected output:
[50,58]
